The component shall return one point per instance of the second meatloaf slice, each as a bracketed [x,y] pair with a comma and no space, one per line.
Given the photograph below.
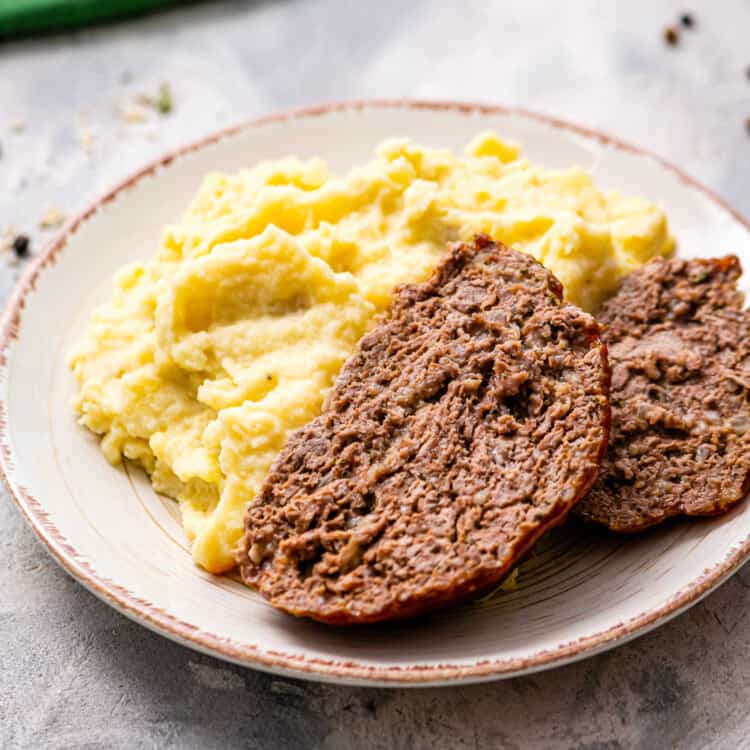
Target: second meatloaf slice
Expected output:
[468,422]
[679,344]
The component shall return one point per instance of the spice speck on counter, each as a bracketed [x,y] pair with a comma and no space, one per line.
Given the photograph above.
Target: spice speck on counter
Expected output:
[21,246]
[671,36]
[687,20]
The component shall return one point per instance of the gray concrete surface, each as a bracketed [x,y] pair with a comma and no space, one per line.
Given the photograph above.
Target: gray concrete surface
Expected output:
[73,673]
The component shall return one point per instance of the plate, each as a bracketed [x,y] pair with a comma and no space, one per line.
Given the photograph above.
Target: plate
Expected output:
[587,592]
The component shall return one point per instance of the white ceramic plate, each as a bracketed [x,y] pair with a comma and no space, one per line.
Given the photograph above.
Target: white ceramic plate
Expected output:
[106,526]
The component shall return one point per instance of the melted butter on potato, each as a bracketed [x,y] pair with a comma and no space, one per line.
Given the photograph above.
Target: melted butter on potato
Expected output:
[209,354]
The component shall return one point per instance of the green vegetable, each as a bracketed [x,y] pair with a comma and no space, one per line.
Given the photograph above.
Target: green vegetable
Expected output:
[21,17]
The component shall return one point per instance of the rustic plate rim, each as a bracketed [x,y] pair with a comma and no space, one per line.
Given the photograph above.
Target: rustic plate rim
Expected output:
[293,665]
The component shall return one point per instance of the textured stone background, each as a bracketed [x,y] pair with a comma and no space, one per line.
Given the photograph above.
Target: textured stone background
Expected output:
[73,673]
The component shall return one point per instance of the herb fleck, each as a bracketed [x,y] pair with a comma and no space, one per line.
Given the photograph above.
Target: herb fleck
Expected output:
[164,103]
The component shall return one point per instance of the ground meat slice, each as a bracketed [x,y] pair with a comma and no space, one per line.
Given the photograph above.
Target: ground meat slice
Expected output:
[679,348]
[468,422]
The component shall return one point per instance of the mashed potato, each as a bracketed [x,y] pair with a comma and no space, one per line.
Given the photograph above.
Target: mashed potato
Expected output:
[209,354]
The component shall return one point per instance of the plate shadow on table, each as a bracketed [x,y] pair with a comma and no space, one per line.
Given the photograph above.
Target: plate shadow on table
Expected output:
[669,686]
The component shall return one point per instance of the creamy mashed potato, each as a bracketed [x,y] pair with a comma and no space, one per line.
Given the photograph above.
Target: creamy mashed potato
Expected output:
[209,354]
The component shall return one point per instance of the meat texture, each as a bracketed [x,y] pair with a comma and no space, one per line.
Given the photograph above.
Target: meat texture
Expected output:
[467,423]
[679,348]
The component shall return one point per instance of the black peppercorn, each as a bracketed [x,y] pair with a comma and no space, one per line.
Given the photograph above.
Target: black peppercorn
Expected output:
[21,246]
[687,20]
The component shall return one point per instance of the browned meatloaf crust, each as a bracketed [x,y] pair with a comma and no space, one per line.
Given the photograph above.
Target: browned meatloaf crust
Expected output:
[468,422]
[679,349]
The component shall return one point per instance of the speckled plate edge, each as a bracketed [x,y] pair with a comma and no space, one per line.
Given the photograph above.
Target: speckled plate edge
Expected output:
[182,632]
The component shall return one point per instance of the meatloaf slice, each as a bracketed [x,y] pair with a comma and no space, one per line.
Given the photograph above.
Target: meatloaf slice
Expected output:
[679,347]
[467,423]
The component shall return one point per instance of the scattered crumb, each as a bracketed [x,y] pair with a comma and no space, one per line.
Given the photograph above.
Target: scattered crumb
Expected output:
[145,100]
[671,36]
[87,140]
[132,113]
[52,219]
[6,239]
[18,126]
